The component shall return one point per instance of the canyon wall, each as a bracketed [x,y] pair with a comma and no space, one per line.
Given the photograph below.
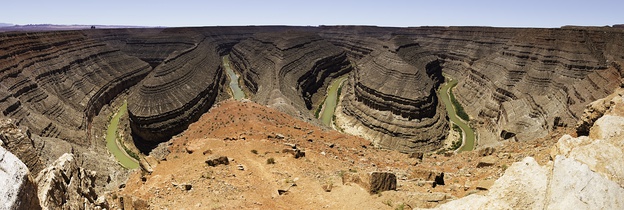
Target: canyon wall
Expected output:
[514,83]
[289,70]
[55,82]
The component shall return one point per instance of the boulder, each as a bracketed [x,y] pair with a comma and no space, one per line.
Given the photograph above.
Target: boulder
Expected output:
[382,181]
[223,160]
[487,161]
[18,190]
[485,184]
[65,185]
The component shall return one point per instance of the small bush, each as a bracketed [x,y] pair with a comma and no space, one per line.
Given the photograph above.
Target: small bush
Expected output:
[271,161]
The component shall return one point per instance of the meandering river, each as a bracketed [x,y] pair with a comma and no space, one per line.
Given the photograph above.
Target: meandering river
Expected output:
[331,100]
[111,141]
[236,90]
[468,133]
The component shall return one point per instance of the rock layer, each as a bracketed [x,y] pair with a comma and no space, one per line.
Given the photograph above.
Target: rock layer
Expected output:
[55,82]
[391,97]
[176,93]
[519,82]
[290,69]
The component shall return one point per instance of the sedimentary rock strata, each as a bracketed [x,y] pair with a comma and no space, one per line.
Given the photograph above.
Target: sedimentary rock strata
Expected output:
[288,69]
[521,80]
[519,83]
[55,82]
[391,96]
[176,93]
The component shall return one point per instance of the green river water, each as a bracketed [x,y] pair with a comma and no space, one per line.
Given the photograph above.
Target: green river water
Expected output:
[468,132]
[329,105]
[114,147]
[236,90]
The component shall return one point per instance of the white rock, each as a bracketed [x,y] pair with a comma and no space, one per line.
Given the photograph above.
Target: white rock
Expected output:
[16,188]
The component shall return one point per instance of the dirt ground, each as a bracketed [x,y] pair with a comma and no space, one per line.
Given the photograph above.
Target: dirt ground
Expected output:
[249,134]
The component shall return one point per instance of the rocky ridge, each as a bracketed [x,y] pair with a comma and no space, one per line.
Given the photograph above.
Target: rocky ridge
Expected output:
[584,172]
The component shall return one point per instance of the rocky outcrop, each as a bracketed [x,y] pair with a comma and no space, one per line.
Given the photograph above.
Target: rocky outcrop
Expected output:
[585,173]
[65,185]
[382,181]
[176,93]
[289,70]
[18,190]
[19,142]
[55,82]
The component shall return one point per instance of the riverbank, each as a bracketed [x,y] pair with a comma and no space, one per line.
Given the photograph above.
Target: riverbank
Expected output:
[237,92]
[468,134]
[326,113]
[114,146]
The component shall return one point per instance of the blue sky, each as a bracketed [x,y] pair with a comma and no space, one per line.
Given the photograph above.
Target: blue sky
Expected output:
[501,13]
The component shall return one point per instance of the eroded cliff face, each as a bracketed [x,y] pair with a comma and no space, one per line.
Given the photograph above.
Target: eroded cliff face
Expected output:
[513,82]
[55,82]
[391,98]
[289,70]
[524,81]
[176,93]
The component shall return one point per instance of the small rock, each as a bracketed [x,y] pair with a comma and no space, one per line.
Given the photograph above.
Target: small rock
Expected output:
[328,187]
[187,186]
[417,155]
[485,184]
[241,167]
[382,181]
[486,151]
[223,160]
[279,136]
[487,161]
[209,152]
[294,146]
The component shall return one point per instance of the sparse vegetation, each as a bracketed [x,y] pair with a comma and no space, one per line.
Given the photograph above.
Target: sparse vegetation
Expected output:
[400,207]
[458,107]
[387,202]
[271,161]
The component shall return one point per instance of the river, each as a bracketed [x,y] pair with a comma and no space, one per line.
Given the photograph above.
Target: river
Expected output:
[114,146]
[236,90]
[331,100]
[467,131]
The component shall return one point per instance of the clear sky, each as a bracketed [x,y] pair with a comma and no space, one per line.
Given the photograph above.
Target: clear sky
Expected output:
[511,13]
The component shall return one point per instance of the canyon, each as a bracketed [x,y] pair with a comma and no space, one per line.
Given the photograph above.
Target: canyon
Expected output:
[58,89]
